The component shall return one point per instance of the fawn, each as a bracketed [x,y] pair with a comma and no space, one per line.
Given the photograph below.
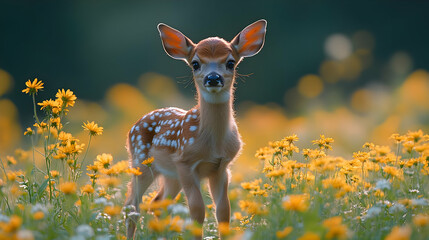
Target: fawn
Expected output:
[189,146]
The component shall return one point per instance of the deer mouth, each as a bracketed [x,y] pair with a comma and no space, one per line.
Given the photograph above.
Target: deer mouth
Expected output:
[214,89]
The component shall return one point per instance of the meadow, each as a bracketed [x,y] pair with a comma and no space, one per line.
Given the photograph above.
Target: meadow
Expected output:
[288,189]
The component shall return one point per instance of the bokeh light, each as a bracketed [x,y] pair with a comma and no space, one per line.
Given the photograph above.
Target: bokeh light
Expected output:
[338,46]
[310,86]
[5,82]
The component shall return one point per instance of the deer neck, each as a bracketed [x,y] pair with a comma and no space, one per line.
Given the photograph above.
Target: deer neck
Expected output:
[216,118]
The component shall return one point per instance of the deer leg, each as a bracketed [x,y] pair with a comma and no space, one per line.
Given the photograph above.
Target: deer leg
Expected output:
[136,188]
[170,188]
[191,187]
[218,184]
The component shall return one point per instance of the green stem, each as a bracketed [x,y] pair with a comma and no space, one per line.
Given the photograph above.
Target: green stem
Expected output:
[4,170]
[34,108]
[86,152]
[48,163]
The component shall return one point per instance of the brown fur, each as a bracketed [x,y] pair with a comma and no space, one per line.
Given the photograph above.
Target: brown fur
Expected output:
[189,146]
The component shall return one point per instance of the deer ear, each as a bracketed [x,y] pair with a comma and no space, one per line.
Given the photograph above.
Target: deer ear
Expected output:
[175,43]
[251,40]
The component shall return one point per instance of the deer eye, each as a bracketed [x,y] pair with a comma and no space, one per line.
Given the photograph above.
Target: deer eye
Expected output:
[195,65]
[230,64]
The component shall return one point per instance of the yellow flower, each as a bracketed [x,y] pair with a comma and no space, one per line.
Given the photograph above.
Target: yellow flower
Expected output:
[292,138]
[41,127]
[251,207]
[394,172]
[94,168]
[66,98]
[87,189]
[224,229]
[296,203]
[56,123]
[103,161]
[361,156]
[68,187]
[336,230]
[421,220]
[49,105]
[109,181]
[148,162]
[38,215]
[33,87]
[112,210]
[195,230]
[93,128]
[29,132]
[284,233]
[399,233]
[159,225]
[54,174]
[13,175]
[134,171]
[14,224]
[309,236]
[415,136]
[176,224]
[10,160]
[398,138]
[324,142]
[276,173]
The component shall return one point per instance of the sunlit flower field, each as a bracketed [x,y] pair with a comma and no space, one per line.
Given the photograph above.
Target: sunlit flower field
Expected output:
[294,188]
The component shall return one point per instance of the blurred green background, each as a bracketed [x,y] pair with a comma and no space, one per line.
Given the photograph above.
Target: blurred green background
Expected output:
[355,70]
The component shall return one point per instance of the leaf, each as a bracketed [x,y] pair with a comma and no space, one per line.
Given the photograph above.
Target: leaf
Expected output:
[42,188]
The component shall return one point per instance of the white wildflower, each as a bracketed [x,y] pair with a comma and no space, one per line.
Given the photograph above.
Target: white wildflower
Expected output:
[25,234]
[419,202]
[178,209]
[382,184]
[85,231]
[78,237]
[397,208]
[101,201]
[39,208]
[373,212]
[4,218]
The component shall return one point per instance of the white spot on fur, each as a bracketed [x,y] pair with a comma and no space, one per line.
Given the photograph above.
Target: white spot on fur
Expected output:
[132,129]
[133,137]
[150,128]
[152,117]
[157,129]
[194,110]
[142,156]
[154,123]
[137,128]
[192,128]
[191,140]
[194,116]
[139,137]
[145,125]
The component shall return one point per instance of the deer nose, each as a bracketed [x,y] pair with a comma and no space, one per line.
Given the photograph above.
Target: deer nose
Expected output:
[213,80]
